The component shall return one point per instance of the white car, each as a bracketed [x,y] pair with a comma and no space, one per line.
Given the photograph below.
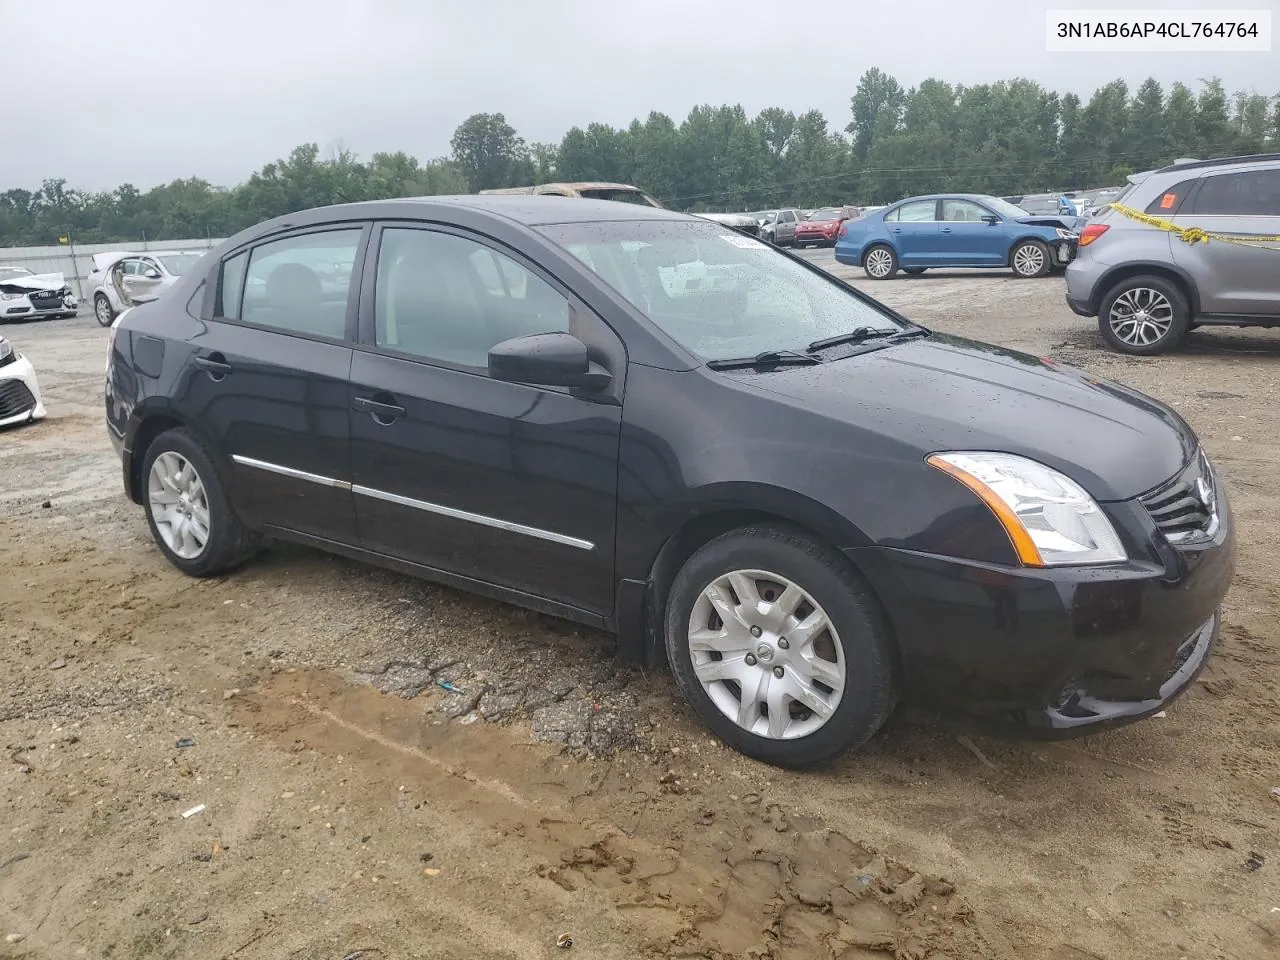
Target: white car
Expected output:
[120,276]
[19,392]
[25,295]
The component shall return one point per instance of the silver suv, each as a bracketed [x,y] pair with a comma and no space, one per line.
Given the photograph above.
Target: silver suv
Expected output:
[1148,287]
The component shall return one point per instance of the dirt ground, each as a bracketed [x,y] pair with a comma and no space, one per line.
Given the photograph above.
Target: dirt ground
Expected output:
[350,805]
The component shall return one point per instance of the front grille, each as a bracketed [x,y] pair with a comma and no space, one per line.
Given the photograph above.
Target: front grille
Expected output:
[1185,508]
[15,398]
[51,300]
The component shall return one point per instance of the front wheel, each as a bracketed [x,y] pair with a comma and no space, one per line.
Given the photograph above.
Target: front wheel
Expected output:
[1030,259]
[188,510]
[1144,316]
[102,310]
[880,262]
[780,647]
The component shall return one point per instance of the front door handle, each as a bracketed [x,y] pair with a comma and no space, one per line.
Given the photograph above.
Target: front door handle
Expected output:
[946,229]
[383,412]
[215,363]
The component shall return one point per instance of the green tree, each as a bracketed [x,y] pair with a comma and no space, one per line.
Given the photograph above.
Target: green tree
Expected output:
[1182,139]
[1213,125]
[877,106]
[1146,130]
[490,154]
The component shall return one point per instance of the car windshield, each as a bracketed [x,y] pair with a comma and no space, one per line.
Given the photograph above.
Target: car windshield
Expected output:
[1005,208]
[619,196]
[825,215]
[179,263]
[720,295]
[12,273]
[768,216]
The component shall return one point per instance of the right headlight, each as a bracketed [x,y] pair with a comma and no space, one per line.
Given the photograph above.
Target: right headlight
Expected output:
[1049,518]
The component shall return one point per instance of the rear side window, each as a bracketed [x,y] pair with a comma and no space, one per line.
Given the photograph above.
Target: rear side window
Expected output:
[299,284]
[1168,202]
[921,211]
[1256,193]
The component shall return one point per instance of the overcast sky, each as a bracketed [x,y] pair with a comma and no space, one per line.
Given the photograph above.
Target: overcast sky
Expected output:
[148,92]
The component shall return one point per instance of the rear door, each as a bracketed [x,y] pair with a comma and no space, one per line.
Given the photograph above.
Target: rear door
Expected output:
[1233,278]
[268,378]
[498,482]
[787,220]
[914,230]
[965,239]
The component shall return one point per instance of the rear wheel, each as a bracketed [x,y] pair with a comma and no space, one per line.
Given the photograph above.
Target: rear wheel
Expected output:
[188,510]
[880,262]
[1144,316]
[1030,259]
[780,647]
[102,310]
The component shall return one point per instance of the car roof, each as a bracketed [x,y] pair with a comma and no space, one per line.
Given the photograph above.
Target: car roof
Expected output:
[527,210]
[948,196]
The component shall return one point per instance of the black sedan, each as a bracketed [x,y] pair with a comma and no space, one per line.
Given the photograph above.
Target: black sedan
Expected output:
[649,423]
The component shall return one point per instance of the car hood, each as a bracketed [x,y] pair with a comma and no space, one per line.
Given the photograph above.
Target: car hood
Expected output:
[817,224]
[946,393]
[1056,222]
[37,281]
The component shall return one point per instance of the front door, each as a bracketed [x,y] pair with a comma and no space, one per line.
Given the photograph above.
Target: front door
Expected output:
[268,380]
[966,240]
[499,482]
[1234,278]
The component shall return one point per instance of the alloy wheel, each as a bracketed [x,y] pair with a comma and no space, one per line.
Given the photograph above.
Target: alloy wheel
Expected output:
[179,505]
[102,311]
[1141,317]
[879,262]
[1028,260]
[766,654]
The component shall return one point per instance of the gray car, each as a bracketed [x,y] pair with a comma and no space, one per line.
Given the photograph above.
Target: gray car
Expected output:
[778,226]
[1148,286]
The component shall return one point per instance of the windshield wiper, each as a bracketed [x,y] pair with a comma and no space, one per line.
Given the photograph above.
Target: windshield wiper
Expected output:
[863,334]
[767,359]
[856,335]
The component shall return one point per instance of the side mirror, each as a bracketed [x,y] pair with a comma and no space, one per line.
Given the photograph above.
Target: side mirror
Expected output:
[991,219]
[547,360]
[151,273]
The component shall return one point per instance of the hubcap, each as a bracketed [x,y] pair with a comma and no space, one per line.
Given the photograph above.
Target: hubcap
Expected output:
[1028,260]
[766,654]
[178,504]
[1141,316]
[879,262]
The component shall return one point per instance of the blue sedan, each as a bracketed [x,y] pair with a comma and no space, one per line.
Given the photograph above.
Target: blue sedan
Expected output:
[956,230]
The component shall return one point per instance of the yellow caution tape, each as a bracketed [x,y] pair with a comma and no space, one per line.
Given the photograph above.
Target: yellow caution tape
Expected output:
[1196,234]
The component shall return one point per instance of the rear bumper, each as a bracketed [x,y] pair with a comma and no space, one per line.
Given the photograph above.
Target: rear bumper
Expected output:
[1080,307]
[1053,653]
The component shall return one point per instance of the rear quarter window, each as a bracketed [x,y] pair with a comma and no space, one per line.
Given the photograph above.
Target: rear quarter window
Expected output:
[1167,202]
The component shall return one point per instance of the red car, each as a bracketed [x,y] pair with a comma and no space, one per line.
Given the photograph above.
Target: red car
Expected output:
[821,228]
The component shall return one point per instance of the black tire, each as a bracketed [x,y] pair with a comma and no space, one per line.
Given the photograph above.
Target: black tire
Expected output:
[230,542]
[871,684]
[102,309]
[1179,321]
[892,270]
[914,271]
[1039,249]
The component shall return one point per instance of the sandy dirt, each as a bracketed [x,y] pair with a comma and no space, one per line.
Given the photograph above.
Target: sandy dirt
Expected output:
[390,769]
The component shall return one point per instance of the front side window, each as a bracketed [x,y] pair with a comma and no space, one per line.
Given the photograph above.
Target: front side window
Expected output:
[1256,194]
[918,211]
[447,298]
[717,293]
[299,283]
[963,211]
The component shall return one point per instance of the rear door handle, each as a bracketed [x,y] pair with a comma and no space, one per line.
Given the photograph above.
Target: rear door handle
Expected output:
[216,364]
[946,229]
[384,413]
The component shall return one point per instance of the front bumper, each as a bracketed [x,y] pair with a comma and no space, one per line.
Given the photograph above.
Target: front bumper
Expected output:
[39,309]
[1053,653]
[19,393]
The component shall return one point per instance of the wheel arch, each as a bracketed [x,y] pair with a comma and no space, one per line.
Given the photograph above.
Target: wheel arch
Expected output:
[642,602]
[877,242]
[1021,239]
[1144,268]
